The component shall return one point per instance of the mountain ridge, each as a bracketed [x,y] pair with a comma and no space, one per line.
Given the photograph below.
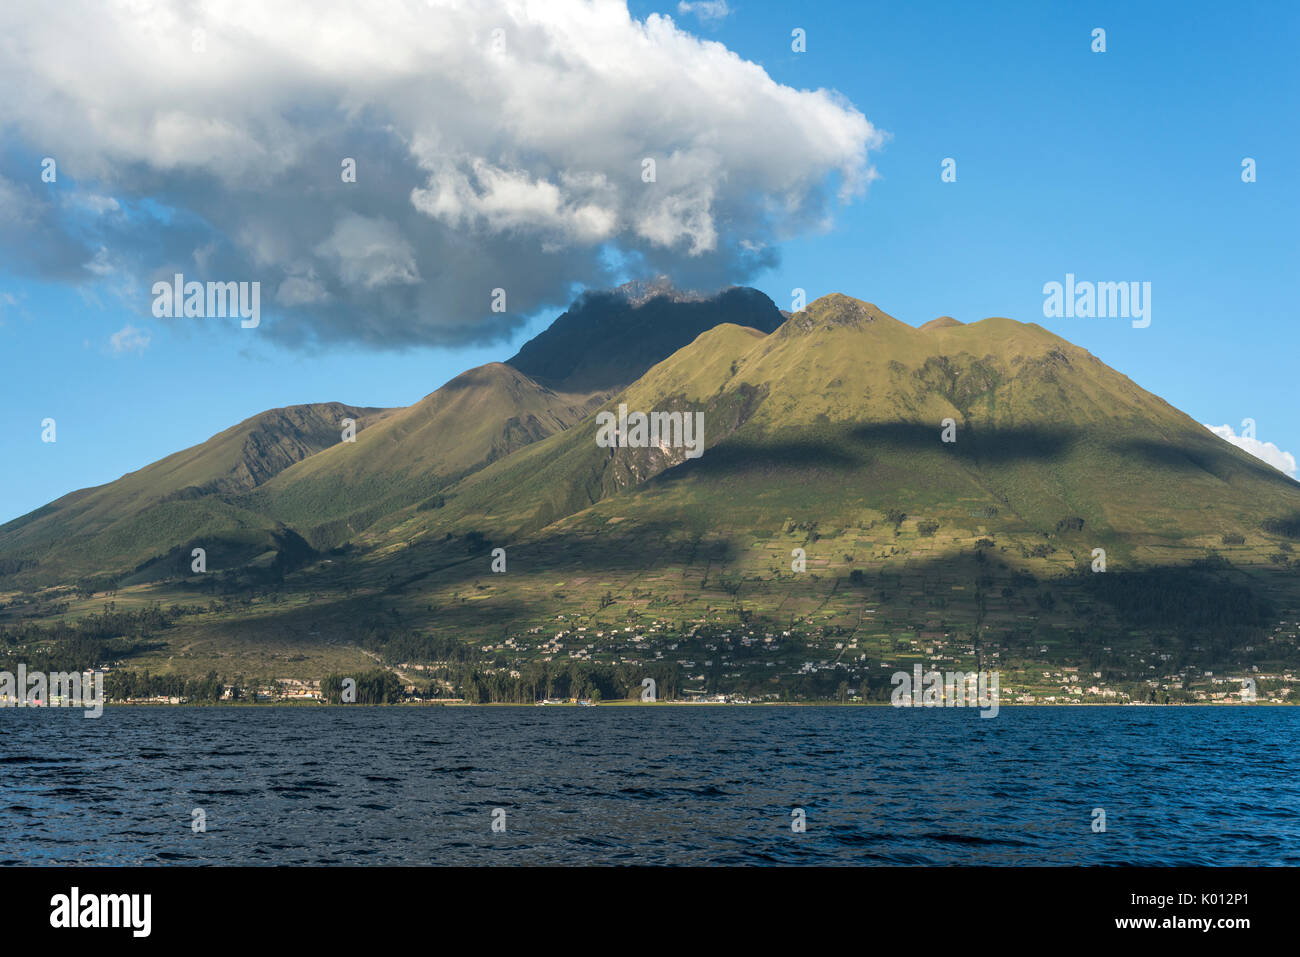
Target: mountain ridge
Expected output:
[295,470]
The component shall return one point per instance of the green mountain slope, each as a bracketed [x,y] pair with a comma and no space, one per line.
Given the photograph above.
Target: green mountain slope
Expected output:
[285,482]
[842,407]
[406,462]
[117,526]
[825,439]
[407,457]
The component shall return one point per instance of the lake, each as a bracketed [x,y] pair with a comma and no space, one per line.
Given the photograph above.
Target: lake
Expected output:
[657,785]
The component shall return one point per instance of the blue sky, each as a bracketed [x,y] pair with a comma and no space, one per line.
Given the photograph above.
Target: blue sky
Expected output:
[1115,166]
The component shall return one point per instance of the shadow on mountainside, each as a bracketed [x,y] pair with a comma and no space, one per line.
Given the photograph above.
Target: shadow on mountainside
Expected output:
[1220,463]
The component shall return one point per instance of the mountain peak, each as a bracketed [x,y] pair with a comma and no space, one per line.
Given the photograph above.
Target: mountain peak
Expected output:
[943,322]
[608,339]
[837,309]
[640,291]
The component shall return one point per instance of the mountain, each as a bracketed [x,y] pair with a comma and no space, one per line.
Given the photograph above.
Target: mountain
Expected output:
[870,494]
[119,526]
[826,436]
[407,457]
[286,473]
[853,399]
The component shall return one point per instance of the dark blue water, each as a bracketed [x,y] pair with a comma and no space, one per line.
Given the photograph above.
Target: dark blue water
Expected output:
[668,785]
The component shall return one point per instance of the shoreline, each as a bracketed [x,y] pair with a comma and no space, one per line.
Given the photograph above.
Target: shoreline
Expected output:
[640,704]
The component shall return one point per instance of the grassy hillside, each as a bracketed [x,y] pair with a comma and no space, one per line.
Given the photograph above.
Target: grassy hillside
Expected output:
[117,527]
[408,457]
[283,484]
[843,407]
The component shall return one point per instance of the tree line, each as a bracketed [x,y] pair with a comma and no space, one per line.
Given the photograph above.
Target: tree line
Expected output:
[125,685]
[596,681]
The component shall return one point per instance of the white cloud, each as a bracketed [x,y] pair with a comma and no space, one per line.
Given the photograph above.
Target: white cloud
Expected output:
[94,203]
[706,10]
[1264,451]
[479,164]
[101,264]
[129,339]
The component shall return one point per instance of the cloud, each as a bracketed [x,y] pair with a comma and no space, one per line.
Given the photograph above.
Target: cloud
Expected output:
[369,252]
[497,144]
[129,339]
[1264,451]
[706,10]
[93,203]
